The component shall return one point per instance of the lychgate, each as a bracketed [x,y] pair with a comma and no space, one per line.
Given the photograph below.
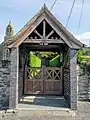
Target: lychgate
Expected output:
[43,33]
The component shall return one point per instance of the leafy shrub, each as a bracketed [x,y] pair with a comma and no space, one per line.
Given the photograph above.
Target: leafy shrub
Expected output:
[83,56]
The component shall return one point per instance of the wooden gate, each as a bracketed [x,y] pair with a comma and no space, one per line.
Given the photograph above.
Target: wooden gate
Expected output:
[43,80]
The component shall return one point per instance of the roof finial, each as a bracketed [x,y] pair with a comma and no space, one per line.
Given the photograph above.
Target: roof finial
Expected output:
[44,6]
[9,22]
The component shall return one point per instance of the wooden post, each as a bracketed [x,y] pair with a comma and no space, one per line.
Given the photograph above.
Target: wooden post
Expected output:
[44,29]
[25,78]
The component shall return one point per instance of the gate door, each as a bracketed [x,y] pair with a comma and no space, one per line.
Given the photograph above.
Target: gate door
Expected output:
[53,81]
[33,80]
[43,80]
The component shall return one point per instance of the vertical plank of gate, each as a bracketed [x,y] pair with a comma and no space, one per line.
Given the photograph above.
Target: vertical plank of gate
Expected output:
[32,81]
[41,69]
[53,79]
[44,78]
[61,71]
[44,29]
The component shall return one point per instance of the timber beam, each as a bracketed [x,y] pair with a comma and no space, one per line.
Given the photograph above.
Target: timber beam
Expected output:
[43,41]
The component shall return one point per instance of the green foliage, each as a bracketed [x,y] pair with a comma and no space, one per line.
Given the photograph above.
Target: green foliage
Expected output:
[83,56]
[52,59]
[48,55]
[48,58]
[55,62]
[34,61]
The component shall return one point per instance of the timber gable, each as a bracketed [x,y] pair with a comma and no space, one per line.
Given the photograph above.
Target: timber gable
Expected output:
[44,16]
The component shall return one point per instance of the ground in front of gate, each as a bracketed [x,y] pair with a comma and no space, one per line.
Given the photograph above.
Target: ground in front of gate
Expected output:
[83,113]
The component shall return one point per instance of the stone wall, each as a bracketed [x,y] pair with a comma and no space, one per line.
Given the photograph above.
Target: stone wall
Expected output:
[1,52]
[89,88]
[83,85]
[70,80]
[4,86]
[73,79]
[14,76]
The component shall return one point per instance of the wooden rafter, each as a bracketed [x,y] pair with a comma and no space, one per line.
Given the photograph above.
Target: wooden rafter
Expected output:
[38,34]
[50,34]
[44,29]
[43,40]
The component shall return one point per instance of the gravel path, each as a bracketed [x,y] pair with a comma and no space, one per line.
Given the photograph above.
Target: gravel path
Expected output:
[83,113]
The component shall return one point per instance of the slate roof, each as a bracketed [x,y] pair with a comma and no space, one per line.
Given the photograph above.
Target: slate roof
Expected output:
[44,13]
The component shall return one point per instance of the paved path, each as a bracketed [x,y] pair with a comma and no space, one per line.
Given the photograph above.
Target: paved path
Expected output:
[83,113]
[43,102]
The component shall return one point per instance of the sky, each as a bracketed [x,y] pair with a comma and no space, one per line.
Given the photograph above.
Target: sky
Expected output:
[19,12]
